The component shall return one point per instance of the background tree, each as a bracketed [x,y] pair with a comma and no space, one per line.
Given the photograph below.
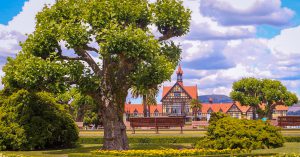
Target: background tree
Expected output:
[196,107]
[148,98]
[118,34]
[78,104]
[248,92]
[262,92]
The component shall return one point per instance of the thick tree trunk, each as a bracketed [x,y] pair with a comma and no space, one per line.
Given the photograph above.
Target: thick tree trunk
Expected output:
[149,111]
[115,137]
[254,113]
[144,105]
[270,111]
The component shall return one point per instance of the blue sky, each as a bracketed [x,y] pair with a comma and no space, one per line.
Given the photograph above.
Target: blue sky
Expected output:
[228,40]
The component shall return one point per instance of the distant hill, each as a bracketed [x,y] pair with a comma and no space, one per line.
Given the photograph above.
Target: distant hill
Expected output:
[216,98]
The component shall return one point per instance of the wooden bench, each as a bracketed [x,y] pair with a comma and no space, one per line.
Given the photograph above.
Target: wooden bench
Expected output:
[284,121]
[196,124]
[157,122]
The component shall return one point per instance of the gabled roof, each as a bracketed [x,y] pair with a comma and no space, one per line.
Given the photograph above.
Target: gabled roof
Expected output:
[190,90]
[139,107]
[281,108]
[215,107]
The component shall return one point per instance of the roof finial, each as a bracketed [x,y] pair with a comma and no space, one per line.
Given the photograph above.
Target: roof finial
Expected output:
[179,70]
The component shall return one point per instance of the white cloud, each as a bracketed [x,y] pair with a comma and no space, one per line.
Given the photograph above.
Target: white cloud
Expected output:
[205,28]
[253,12]
[24,22]
[9,41]
[286,44]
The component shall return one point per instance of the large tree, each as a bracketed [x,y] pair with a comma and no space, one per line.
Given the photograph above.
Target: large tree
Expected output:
[262,95]
[117,33]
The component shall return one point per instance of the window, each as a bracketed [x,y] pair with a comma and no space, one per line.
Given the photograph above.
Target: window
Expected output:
[156,113]
[177,94]
[135,113]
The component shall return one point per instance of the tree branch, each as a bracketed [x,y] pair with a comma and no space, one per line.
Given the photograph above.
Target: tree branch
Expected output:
[88,48]
[71,58]
[90,61]
[166,36]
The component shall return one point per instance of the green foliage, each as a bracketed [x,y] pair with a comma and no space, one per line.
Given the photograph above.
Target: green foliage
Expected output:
[234,133]
[254,92]
[145,140]
[30,121]
[119,32]
[171,17]
[91,118]
[34,74]
[292,139]
[78,104]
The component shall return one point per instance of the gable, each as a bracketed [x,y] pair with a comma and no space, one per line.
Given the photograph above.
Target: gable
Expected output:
[176,91]
[234,108]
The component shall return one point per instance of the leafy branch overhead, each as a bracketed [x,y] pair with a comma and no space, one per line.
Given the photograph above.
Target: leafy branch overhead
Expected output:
[119,32]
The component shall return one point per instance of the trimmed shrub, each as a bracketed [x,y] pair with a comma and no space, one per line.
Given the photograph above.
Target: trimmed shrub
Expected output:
[292,138]
[225,132]
[30,121]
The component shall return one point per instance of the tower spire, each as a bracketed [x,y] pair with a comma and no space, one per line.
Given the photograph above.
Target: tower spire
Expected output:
[179,74]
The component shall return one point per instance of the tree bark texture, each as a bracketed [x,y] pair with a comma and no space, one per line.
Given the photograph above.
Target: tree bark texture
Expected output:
[145,105]
[115,137]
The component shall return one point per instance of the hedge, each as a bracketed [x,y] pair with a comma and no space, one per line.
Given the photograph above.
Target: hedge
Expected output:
[292,138]
[164,139]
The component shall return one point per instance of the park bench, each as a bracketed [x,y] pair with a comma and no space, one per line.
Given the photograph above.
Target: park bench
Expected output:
[284,121]
[157,122]
[196,124]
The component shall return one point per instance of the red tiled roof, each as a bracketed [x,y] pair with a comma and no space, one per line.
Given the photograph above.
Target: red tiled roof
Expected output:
[244,109]
[191,90]
[216,107]
[139,108]
[281,108]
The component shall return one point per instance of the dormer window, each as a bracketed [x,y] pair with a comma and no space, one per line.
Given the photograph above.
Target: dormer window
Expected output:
[156,113]
[135,113]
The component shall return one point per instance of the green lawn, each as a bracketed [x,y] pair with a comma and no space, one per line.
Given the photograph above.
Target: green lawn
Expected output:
[291,147]
[187,133]
[86,148]
[148,133]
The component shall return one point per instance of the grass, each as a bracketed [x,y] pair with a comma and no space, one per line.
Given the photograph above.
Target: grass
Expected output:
[186,133]
[86,148]
[291,147]
[148,133]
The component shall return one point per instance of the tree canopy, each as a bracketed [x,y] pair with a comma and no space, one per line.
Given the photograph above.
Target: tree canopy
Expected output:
[103,48]
[262,92]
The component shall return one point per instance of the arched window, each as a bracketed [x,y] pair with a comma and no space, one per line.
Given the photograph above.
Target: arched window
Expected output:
[156,113]
[135,113]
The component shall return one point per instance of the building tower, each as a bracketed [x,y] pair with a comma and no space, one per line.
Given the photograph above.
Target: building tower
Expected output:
[179,75]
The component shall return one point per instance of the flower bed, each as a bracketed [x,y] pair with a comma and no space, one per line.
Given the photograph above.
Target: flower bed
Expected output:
[167,152]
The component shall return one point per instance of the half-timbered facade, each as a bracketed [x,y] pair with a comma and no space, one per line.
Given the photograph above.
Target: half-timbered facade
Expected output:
[176,98]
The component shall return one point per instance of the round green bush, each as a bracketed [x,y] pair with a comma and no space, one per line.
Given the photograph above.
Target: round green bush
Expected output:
[30,121]
[226,132]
